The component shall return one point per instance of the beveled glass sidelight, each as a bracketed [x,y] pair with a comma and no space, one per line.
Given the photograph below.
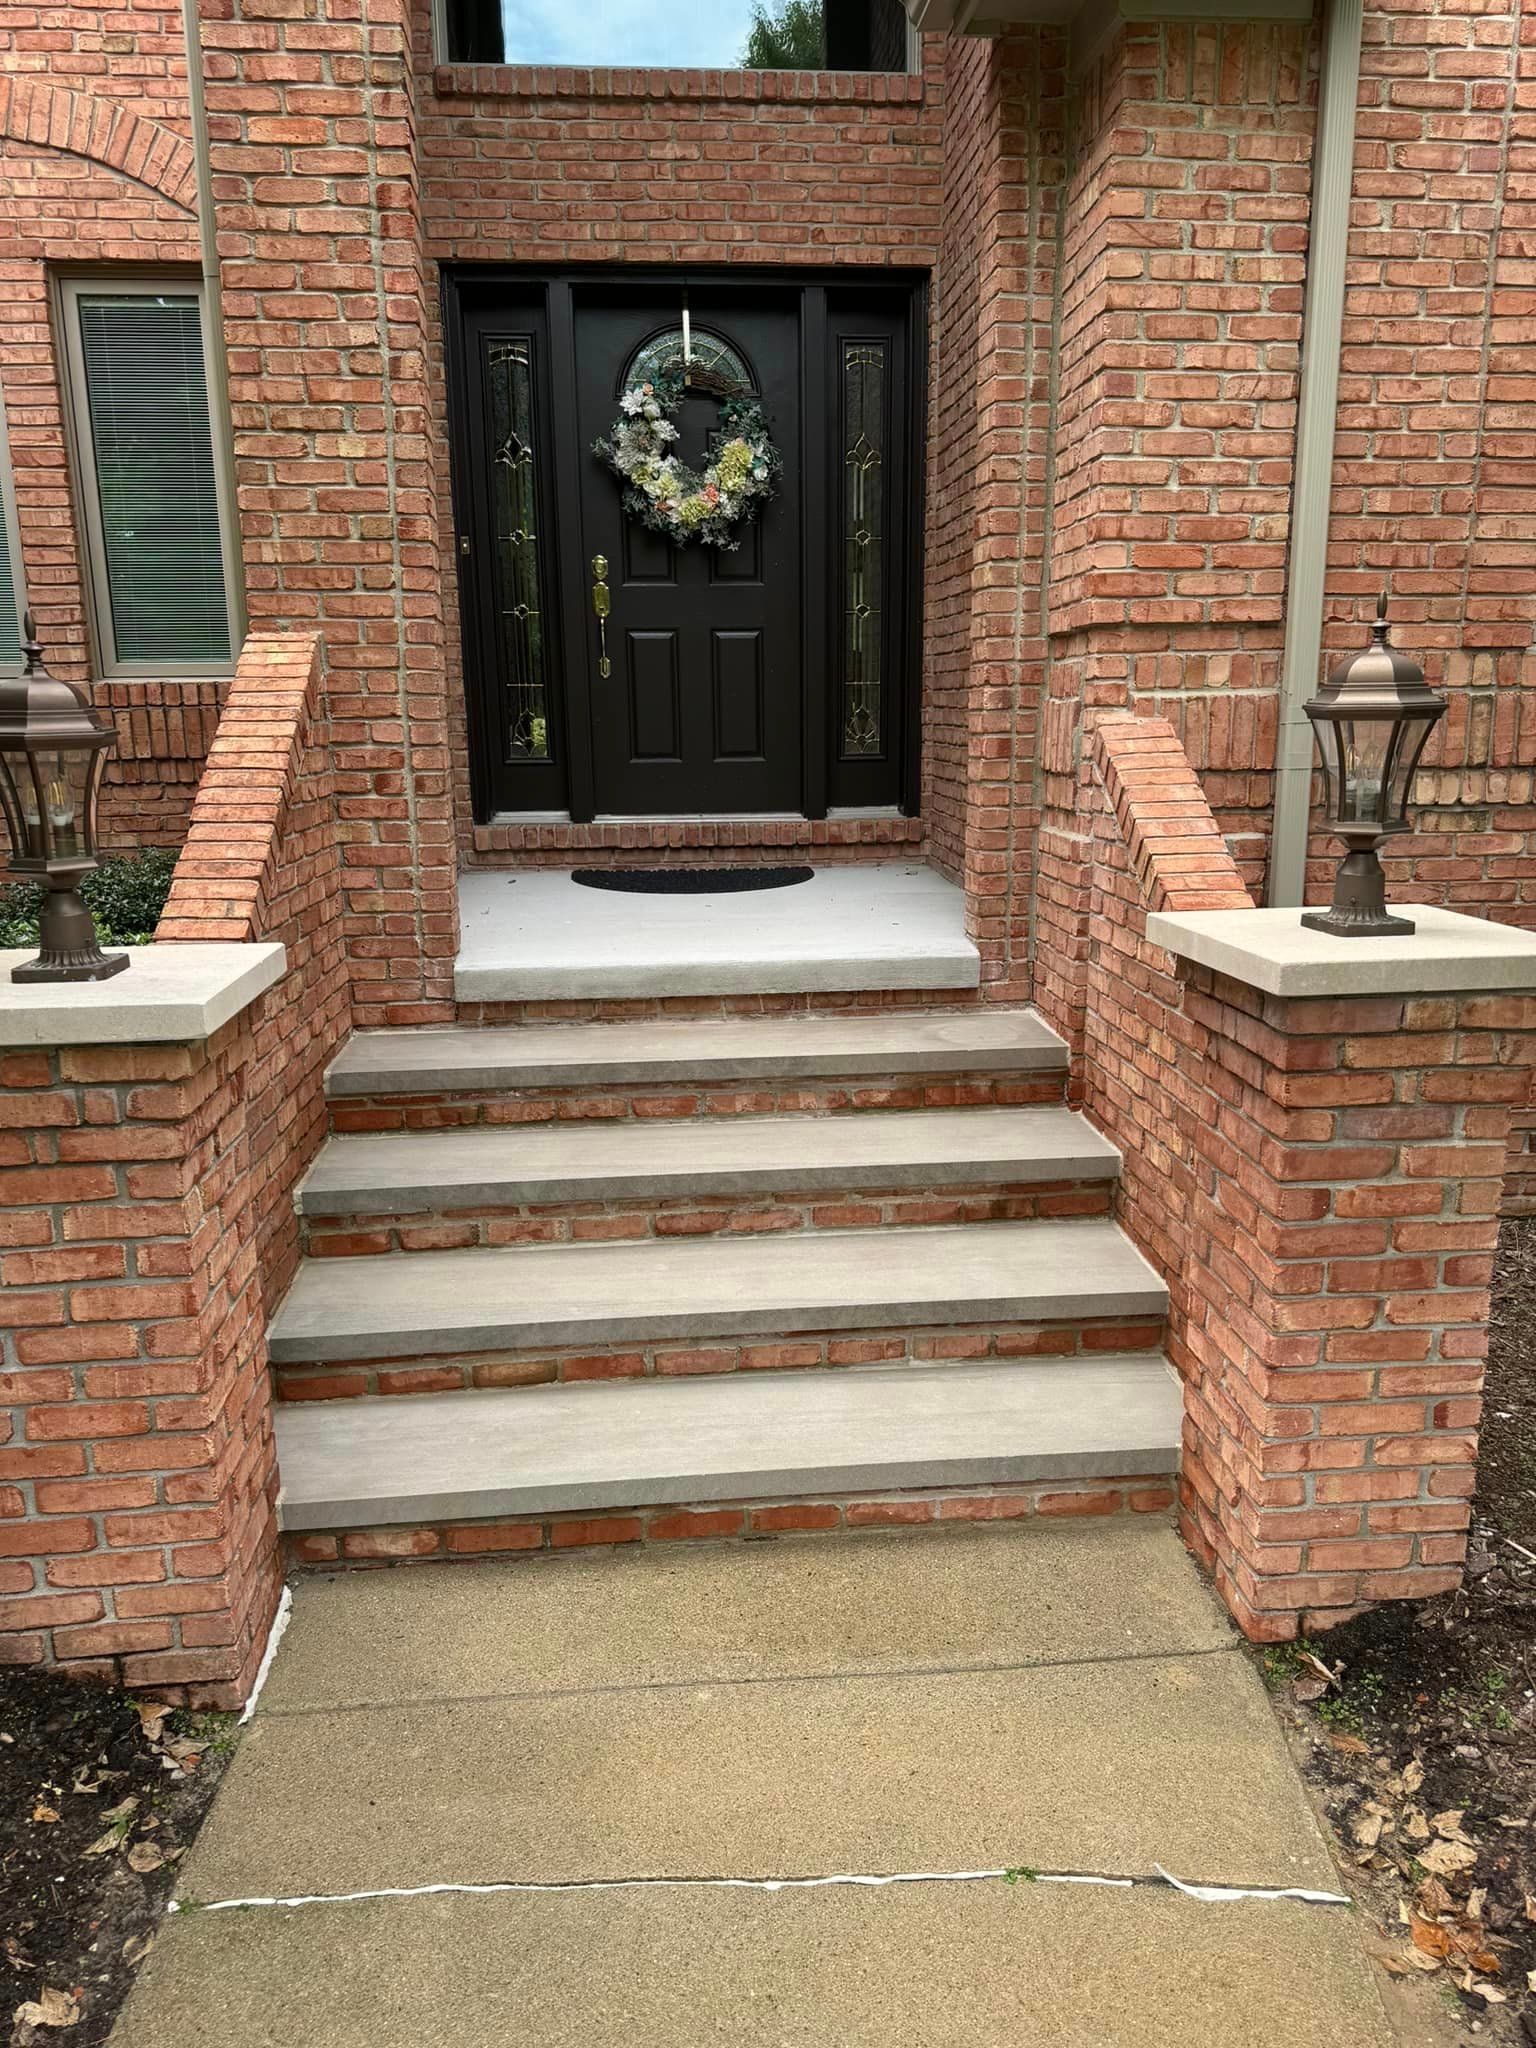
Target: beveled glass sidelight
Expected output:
[53,749]
[1372,720]
[862,721]
[515,512]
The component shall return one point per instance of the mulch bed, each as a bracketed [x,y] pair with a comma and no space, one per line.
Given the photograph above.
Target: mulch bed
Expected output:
[100,1795]
[1417,1724]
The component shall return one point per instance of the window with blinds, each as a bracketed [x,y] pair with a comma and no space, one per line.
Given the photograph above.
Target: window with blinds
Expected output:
[148,478]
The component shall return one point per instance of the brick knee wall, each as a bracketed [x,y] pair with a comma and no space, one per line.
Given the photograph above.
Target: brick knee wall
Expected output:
[1320,1185]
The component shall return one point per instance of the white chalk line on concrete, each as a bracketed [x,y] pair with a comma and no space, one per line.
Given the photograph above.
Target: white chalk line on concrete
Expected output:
[1207,1894]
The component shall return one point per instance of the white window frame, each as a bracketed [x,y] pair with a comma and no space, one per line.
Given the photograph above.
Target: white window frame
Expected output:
[11,664]
[182,285]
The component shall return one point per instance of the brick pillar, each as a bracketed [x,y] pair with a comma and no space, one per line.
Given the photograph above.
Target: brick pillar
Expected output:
[138,1533]
[324,287]
[1347,1166]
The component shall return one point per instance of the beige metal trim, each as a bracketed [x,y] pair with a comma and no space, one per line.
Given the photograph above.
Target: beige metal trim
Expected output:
[1312,488]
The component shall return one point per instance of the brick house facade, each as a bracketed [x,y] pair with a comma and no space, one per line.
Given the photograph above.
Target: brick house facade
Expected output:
[1091,260]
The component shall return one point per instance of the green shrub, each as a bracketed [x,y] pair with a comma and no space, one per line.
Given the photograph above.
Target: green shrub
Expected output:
[126,896]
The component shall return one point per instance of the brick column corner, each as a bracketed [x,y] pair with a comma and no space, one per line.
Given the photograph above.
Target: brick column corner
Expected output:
[1347,1175]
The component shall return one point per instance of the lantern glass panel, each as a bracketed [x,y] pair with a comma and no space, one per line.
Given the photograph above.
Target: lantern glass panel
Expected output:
[1364,750]
[1412,734]
[13,777]
[60,783]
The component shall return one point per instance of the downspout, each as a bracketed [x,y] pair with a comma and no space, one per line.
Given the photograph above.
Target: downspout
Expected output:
[1322,341]
[221,426]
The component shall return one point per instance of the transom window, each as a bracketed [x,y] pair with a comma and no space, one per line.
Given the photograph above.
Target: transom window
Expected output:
[732,35]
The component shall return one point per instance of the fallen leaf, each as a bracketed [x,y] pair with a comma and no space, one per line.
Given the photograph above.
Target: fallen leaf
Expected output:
[86,1780]
[1431,1939]
[1413,1776]
[1530,1980]
[145,1857]
[45,1814]
[50,2009]
[1418,1960]
[136,1948]
[1350,1745]
[1305,1690]
[152,1717]
[1530,1906]
[1434,1899]
[1448,1824]
[1490,1994]
[1394,1964]
[1446,1858]
[1329,1678]
[1367,1830]
[1476,1900]
[1415,1826]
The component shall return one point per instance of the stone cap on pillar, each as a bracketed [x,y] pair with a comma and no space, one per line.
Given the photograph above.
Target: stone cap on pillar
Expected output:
[170,995]
[1273,951]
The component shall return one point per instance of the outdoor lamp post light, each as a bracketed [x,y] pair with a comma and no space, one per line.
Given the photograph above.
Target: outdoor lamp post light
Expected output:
[1371,718]
[53,749]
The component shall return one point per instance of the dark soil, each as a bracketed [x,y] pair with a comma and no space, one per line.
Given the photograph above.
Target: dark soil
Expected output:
[75,1923]
[1448,1689]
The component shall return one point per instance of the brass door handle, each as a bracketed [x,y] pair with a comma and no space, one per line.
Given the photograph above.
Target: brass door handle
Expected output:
[601,605]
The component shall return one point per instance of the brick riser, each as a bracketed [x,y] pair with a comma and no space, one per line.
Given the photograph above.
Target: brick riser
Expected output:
[751,1521]
[815,1351]
[649,1009]
[563,1103]
[699,1216]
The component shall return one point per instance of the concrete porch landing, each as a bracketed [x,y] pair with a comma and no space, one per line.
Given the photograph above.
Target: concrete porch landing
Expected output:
[533,935]
[628,1728]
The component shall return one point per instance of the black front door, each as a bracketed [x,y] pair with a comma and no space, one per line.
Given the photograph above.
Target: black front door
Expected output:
[614,673]
[701,709]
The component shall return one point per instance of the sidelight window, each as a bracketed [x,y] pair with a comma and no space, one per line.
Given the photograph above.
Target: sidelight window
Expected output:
[12,595]
[516,536]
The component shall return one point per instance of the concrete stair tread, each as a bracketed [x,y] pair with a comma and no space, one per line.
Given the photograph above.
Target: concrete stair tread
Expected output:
[444,1457]
[724,1050]
[402,1173]
[436,1304]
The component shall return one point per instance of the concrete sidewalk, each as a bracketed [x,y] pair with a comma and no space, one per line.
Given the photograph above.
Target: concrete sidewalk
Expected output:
[1068,1699]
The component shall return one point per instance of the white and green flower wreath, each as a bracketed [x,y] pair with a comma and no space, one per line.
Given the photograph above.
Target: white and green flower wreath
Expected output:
[664,494]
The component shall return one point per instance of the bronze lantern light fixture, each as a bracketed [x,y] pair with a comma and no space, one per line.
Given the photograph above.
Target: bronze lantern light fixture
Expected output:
[1371,718]
[53,749]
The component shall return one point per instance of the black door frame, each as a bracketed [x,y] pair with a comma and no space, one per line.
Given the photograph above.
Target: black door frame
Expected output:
[545,300]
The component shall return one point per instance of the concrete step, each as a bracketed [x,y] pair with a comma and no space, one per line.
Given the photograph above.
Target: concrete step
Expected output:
[721,1051]
[430,1171]
[438,1304]
[453,1457]
[534,935]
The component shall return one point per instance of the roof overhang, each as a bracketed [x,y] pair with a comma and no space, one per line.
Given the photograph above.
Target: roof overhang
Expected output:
[1092,22]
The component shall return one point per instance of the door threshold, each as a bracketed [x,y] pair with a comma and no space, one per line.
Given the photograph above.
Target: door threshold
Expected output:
[853,814]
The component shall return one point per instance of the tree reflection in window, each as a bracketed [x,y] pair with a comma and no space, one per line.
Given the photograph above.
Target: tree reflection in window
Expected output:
[514,495]
[863,413]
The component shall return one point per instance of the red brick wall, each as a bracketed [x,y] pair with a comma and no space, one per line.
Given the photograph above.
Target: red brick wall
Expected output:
[1319,1183]
[95,168]
[325,315]
[147,1233]
[262,861]
[138,1539]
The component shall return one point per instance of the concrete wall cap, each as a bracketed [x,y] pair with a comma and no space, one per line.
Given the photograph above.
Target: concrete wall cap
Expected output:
[1272,950]
[170,994]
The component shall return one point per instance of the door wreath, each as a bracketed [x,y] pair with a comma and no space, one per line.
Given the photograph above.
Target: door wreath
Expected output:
[711,506]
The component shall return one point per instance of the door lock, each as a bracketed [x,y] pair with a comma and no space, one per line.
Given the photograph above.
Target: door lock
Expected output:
[601,606]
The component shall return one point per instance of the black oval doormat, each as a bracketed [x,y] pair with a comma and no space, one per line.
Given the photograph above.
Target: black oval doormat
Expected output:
[689,881]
